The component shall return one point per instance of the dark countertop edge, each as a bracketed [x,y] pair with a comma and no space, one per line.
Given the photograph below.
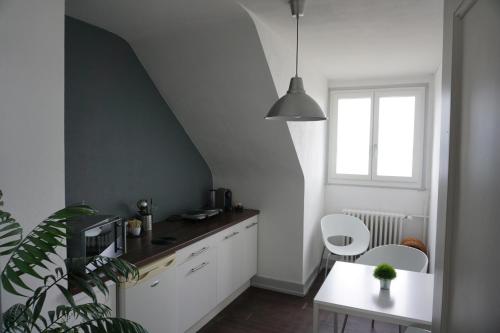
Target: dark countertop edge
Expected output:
[249,214]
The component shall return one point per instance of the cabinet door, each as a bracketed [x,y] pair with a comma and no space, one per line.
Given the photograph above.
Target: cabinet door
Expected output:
[229,261]
[250,234]
[152,302]
[197,294]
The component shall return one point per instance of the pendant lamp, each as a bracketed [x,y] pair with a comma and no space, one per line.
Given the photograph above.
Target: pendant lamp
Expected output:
[296,105]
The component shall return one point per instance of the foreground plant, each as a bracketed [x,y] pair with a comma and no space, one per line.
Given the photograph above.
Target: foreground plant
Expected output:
[30,273]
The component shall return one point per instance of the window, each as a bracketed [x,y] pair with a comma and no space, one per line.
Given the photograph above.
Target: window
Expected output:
[377,137]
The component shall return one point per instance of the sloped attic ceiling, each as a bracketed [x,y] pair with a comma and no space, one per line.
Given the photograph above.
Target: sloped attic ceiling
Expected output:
[206,59]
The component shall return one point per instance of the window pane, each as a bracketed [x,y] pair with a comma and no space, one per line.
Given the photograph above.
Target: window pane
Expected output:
[353,136]
[396,126]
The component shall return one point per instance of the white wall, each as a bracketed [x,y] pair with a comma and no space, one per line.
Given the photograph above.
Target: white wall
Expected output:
[31,110]
[406,201]
[309,138]
[468,260]
[206,59]
[431,230]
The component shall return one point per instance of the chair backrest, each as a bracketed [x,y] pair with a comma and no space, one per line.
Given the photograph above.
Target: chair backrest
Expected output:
[344,225]
[399,256]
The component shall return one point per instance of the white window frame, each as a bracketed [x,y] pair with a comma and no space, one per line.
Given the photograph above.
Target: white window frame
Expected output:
[414,182]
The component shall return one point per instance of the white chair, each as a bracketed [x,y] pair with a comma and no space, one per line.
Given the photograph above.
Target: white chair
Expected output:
[343,225]
[400,256]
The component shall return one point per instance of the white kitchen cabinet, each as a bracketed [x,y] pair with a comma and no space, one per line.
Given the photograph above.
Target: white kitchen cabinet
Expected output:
[151,301]
[196,284]
[230,256]
[236,257]
[249,240]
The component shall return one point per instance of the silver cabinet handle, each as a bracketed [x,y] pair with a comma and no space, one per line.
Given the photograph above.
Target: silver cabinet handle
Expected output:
[251,225]
[154,284]
[200,266]
[200,251]
[233,234]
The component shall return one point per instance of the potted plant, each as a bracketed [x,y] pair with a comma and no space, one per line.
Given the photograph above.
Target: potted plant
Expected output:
[34,270]
[385,273]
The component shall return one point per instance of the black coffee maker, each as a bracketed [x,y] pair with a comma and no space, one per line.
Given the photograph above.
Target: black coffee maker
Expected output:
[224,199]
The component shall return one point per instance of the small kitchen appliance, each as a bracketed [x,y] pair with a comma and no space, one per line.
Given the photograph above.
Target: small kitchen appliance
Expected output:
[211,198]
[145,213]
[224,199]
[89,236]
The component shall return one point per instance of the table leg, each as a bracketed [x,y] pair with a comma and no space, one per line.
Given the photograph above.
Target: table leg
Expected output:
[315,318]
[335,323]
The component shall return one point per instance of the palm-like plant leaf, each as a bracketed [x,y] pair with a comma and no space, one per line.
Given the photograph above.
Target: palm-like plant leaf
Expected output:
[90,311]
[29,258]
[16,318]
[11,232]
[30,254]
[107,325]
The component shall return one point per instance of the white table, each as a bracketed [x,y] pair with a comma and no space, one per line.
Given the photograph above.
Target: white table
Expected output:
[351,289]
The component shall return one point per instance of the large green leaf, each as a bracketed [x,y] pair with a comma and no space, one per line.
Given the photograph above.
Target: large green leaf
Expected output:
[10,232]
[16,319]
[108,325]
[30,255]
[28,260]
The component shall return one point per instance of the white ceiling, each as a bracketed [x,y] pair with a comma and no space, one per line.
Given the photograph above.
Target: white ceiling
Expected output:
[345,39]
[352,39]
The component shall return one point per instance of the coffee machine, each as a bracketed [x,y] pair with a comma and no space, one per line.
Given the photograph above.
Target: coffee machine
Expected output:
[224,199]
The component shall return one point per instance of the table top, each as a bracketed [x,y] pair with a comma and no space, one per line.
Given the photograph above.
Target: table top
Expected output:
[351,288]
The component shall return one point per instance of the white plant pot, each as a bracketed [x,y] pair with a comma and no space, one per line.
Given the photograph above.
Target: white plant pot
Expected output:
[385,284]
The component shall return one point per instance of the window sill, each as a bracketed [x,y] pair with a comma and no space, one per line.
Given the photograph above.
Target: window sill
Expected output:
[377,184]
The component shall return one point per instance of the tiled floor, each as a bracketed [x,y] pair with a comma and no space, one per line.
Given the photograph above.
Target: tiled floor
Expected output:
[258,310]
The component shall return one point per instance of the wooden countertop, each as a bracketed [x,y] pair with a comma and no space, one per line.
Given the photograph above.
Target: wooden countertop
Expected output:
[140,251]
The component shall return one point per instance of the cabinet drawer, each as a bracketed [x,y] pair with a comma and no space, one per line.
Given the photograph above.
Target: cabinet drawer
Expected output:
[198,249]
[196,282]
[250,223]
[229,233]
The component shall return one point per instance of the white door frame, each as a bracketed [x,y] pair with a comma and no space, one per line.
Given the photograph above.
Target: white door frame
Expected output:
[454,13]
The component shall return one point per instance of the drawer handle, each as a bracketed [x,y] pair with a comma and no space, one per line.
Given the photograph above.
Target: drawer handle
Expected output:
[146,274]
[251,225]
[233,234]
[170,262]
[200,266]
[154,284]
[200,251]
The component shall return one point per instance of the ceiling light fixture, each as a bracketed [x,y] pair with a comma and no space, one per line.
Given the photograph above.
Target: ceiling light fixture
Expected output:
[296,105]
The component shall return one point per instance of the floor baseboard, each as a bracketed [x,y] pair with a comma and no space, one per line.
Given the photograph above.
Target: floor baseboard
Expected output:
[286,287]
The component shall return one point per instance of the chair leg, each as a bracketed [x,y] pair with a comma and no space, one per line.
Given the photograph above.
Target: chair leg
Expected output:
[344,324]
[373,323]
[321,259]
[327,264]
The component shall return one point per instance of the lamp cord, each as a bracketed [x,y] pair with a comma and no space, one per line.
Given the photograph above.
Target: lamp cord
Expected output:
[297,49]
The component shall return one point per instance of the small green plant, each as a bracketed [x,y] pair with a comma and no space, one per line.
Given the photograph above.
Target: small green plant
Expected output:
[384,272]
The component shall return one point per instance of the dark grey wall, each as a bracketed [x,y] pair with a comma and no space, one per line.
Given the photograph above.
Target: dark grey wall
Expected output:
[122,140]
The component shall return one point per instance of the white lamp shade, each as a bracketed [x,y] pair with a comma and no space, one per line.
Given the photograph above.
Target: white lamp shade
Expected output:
[296,105]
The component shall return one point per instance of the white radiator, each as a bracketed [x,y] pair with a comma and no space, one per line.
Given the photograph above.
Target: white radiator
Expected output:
[385,228]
